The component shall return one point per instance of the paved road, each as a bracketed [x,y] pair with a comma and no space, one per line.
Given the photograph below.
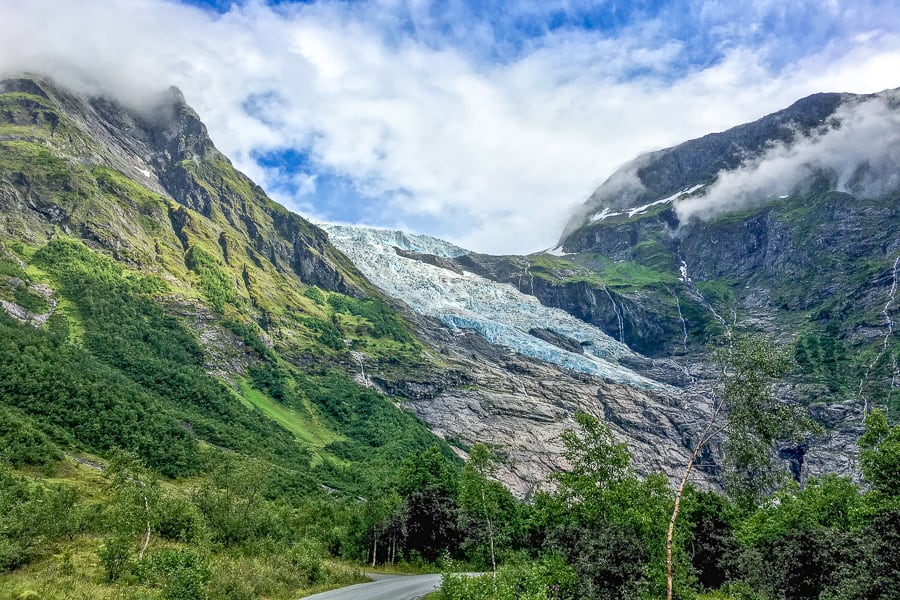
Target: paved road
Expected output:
[385,587]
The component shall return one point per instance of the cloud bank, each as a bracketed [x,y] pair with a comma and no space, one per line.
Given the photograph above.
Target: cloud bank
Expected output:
[437,117]
[857,151]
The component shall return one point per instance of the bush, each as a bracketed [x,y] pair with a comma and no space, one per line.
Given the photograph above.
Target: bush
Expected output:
[22,443]
[32,516]
[181,573]
[306,556]
[115,557]
[177,519]
[547,579]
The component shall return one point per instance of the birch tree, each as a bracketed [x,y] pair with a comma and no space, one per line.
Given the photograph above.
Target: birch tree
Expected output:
[751,419]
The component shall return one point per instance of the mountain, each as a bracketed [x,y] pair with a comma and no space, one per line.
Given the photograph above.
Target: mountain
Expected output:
[129,239]
[126,230]
[154,299]
[789,226]
[204,395]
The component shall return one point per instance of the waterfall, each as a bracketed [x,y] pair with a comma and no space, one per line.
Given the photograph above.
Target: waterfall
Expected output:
[889,322]
[618,312]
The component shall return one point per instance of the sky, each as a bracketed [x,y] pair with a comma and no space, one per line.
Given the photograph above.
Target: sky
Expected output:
[484,123]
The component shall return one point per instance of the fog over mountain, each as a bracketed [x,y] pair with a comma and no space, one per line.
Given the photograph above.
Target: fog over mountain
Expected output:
[856,150]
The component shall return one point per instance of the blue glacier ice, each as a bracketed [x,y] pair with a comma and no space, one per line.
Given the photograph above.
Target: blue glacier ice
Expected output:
[497,311]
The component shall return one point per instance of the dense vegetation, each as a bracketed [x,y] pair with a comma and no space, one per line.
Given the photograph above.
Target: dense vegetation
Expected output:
[241,493]
[600,534]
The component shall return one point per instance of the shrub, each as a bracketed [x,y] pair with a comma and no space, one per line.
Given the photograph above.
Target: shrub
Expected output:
[180,572]
[115,557]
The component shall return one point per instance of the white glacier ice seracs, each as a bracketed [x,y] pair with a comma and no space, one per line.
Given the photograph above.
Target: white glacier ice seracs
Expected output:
[499,312]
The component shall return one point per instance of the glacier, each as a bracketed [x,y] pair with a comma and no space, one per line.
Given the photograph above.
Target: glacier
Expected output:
[497,311]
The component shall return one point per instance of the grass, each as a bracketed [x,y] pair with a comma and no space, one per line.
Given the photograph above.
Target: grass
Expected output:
[73,572]
[602,272]
[306,429]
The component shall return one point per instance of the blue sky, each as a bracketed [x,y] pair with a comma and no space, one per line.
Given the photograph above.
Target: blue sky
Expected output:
[483,122]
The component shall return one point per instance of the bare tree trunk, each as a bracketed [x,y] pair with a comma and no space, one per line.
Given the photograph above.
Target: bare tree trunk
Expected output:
[671,533]
[147,535]
[708,434]
[374,546]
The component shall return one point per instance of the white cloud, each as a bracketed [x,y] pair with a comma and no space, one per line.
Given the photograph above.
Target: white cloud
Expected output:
[858,151]
[431,132]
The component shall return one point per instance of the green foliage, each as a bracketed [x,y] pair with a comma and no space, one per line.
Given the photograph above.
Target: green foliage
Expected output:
[826,502]
[712,544]
[546,579]
[72,394]
[120,186]
[129,341]
[796,565]
[598,463]
[315,294]
[22,443]
[233,504]
[368,418]
[326,333]
[604,512]
[36,162]
[610,561]
[880,454]
[755,418]
[218,288]
[821,353]
[382,322]
[115,557]
[11,268]
[181,573]
[29,300]
[603,272]
[429,484]
[30,515]
[488,510]
[249,332]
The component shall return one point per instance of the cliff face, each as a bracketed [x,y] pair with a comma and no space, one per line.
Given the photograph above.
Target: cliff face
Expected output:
[68,156]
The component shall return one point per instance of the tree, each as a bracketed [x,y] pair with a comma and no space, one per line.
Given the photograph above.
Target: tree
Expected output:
[880,454]
[751,417]
[429,484]
[608,521]
[480,495]
[597,463]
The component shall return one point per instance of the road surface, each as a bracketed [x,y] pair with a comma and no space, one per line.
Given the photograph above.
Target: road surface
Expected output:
[385,587]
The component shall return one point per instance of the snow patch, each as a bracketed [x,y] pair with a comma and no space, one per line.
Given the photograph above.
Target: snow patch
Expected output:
[145,173]
[606,213]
